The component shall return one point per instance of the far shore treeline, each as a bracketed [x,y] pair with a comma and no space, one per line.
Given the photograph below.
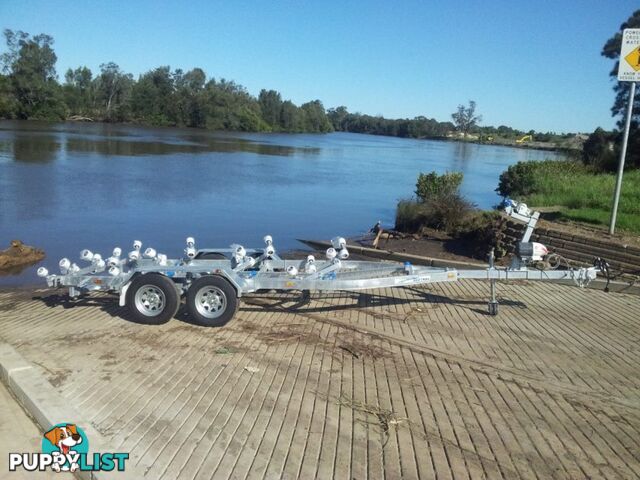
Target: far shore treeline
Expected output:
[30,89]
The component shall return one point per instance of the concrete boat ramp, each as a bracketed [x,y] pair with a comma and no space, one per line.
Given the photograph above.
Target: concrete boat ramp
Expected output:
[393,383]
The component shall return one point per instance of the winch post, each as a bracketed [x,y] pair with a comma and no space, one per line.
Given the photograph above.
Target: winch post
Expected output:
[531,225]
[493,301]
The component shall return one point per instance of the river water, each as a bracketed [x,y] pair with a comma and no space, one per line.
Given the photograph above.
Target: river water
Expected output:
[64,187]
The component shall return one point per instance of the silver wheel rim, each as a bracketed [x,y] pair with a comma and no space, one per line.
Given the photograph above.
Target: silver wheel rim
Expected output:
[211,302]
[150,300]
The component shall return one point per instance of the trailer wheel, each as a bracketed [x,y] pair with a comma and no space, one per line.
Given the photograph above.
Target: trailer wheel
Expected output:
[152,298]
[212,301]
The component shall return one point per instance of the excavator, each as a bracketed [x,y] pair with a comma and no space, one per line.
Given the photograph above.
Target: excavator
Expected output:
[526,138]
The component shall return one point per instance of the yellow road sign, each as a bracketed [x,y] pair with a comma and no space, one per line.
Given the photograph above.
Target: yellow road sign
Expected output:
[629,65]
[634,59]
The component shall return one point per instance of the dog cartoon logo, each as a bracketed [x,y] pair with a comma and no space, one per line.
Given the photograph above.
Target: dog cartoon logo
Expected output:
[65,448]
[65,441]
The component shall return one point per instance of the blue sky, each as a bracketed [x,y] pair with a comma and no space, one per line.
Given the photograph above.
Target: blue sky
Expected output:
[532,64]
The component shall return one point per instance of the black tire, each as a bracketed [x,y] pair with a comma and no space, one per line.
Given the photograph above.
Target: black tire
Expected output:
[152,299]
[212,301]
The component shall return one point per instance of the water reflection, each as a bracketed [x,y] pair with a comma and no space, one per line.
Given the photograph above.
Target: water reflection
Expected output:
[128,147]
[463,152]
[36,148]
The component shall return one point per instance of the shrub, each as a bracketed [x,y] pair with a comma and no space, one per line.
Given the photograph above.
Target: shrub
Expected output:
[439,204]
[526,178]
[517,180]
[409,216]
[598,150]
[433,185]
[446,212]
[442,212]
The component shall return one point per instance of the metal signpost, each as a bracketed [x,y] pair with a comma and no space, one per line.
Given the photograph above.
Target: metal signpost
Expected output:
[628,71]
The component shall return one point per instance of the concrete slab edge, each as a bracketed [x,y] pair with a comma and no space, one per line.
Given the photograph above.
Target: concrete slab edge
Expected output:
[44,404]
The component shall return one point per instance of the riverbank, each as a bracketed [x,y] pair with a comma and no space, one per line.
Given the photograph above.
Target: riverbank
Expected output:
[569,148]
[570,144]
[18,257]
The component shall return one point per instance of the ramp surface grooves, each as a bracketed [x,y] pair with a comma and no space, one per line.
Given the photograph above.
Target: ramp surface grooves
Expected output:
[389,383]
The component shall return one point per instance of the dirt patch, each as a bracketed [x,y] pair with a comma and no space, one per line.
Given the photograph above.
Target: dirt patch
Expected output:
[148,358]
[283,333]
[154,340]
[185,328]
[360,348]
[247,326]
[75,338]
[292,333]
[357,347]
[7,307]
[18,257]
[435,245]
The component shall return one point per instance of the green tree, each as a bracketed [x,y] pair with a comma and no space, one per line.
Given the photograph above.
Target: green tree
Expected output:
[113,92]
[290,118]
[598,150]
[508,132]
[30,62]
[432,184]
[8,103]
[13,40]
[230,107]
[78,91]
[191,101]
[270,105]
[153,100]
[465,118]
[337,117]
[314,117]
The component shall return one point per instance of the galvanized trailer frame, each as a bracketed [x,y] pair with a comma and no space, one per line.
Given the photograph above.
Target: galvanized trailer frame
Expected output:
[251,270]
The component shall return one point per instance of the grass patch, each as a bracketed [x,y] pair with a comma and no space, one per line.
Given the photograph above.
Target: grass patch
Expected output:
[583,194]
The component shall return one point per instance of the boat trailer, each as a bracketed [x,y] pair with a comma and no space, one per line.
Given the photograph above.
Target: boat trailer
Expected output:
[213,279]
